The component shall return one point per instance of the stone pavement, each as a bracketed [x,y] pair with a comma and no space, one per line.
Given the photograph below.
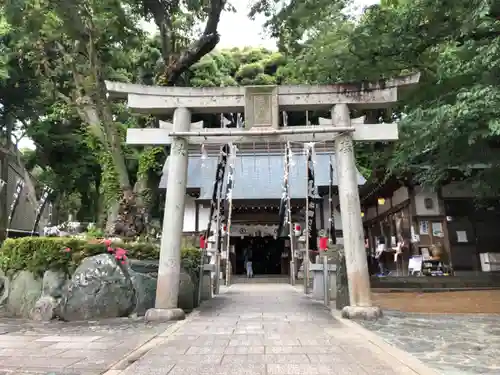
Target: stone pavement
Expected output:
[59,348]
[257,329]
[453,344]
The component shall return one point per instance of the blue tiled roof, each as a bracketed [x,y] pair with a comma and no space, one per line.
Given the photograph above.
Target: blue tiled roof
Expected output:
[259,176]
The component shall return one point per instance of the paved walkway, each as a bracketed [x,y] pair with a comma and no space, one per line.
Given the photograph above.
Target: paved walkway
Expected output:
[453,344]
[59,348]
[265,329]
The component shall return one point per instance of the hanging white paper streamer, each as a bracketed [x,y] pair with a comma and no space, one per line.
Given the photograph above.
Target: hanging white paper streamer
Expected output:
[239,121]
[225,122]
[312,147]
[291,159]
[204,156]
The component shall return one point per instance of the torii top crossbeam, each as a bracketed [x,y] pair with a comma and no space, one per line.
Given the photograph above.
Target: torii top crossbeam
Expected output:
[164,100]
[261,106]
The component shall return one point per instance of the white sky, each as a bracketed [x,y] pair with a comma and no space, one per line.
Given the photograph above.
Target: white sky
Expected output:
[237,30]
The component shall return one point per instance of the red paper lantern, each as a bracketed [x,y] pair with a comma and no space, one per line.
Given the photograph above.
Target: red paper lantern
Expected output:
[323,243]
[297,227]
[202,242]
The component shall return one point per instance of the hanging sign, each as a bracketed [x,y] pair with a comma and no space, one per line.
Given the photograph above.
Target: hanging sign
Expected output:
[311,207]
[332,209]
[221,199]
[424,227]
[229,189]
[15,200]
[41,206]
[437,229]
[253,230]
[283,217]
[219,177]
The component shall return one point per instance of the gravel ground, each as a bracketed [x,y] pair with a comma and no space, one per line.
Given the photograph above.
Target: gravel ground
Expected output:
[454,344]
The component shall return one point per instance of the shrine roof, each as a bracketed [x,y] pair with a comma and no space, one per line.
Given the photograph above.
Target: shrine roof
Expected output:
[260,176]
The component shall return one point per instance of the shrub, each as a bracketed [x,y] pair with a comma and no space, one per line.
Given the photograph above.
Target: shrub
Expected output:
[190,261]
[38,254]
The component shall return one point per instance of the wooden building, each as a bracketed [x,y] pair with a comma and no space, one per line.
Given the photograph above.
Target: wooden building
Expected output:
[23,217]
[449,222]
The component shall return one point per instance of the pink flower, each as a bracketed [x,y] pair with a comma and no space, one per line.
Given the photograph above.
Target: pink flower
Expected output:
[123,262]
[120,253]
[107,243]
[110,249]
[66,250]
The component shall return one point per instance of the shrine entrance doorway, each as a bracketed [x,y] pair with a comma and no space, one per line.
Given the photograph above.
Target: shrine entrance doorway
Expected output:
[266,254]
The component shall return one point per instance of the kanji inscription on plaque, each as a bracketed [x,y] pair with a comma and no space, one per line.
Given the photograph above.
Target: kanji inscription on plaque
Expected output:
[261,106]
[262,114]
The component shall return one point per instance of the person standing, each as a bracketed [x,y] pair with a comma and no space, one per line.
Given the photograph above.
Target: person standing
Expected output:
[380,255]
[248,261]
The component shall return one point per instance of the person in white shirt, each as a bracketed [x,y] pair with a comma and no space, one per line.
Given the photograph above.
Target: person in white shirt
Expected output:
[380,256]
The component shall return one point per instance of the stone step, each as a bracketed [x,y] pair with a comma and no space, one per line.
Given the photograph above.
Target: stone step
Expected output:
[266,279]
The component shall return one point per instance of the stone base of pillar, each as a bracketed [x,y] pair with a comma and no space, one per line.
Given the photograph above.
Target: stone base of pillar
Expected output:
[164,315]
[361,313]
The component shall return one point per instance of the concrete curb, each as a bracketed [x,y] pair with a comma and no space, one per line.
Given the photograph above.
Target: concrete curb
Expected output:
[158,339]
[389,352]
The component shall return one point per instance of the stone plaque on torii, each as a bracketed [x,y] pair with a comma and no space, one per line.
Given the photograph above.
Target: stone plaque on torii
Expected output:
[261,106]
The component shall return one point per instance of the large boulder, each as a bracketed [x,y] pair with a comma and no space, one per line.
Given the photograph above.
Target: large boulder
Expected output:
[187,286]
[24,291]
[46,306]
[186,292]
[100,288]
[4,288]
[53,283]
[145,286]
[145,291]
[45,309]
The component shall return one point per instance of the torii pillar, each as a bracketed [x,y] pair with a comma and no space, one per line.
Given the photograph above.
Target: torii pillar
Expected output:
[167,290]
[352,226]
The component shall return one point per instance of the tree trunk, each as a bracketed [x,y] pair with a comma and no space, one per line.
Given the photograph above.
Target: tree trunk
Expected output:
[112,218]
[130,219]
[125,218]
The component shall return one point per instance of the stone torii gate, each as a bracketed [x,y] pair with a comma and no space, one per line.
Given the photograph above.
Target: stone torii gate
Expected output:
[261,106]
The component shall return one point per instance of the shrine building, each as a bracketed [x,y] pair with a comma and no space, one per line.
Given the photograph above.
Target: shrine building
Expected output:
[258,179]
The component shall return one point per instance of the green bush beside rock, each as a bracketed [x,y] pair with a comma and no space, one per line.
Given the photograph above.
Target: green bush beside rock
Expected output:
[38,254]
[34,259]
